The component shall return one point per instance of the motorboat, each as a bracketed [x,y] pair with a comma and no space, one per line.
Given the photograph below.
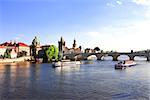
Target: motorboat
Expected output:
[124,64]
[65,63]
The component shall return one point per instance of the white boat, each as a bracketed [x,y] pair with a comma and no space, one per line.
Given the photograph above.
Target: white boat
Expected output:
[124,64]
[65,63]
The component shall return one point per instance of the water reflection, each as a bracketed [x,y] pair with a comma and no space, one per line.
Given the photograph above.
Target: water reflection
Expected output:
[92,80]
[14,79]
[67,69]
[107,58]
[6,81]
[140,58]
[88,62]
[34,72]
[123,57]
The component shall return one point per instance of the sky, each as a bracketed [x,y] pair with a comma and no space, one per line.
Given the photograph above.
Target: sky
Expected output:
[119,25]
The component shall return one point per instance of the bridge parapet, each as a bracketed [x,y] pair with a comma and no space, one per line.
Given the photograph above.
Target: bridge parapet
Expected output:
[114,55]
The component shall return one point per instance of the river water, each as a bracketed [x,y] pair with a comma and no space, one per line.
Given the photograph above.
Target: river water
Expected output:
[92,80]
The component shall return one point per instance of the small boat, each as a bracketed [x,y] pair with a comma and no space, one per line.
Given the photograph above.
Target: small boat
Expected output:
[124,64]
[65,63]
[56,64]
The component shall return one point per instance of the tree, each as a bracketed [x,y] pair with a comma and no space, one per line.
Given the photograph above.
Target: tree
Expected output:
[87,50]
[51,53]
[96,49]
[22,53]
[7,53]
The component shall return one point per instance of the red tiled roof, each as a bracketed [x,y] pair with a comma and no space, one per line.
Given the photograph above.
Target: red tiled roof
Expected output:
[5,44]
[22,44]
[2,47]
[10,44]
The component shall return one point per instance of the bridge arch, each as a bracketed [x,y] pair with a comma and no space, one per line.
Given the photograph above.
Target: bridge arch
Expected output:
[92,57]
[123,57]
[107,57]
[133,56]
[114,55]
[78,57]
[66,57]
[139,58]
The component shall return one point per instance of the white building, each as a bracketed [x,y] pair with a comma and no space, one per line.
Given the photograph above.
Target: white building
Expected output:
[15,47]
[2,50]
[13,54]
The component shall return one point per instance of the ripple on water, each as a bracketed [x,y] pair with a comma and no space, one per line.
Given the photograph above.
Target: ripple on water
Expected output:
[91,81]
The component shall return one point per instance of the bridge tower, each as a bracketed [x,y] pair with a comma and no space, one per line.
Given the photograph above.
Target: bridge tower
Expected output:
[61,44]
[74,44]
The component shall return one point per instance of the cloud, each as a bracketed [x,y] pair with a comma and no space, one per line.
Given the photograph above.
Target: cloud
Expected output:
[17,38]
[134,35]
[110,5]
[114,4]
[142,2]
[147,14]
[93,34]
[146,6]
[119,2]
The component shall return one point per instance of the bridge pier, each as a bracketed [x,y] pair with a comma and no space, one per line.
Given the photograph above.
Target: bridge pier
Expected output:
[99,56]
[99,59]
[148,58]
[131,58]
[115,57]
[84,58]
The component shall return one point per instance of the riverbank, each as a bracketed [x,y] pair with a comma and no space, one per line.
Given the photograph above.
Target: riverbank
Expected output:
[15,60]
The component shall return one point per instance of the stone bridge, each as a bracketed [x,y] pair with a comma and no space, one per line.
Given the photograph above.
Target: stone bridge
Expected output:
[84,56]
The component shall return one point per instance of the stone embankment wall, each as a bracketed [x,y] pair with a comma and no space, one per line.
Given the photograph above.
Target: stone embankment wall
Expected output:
[15,59]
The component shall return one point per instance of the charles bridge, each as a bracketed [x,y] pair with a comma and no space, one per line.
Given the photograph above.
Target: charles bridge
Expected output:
[114,55]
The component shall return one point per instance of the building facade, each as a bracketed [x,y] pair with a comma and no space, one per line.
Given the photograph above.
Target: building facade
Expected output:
[16,48]
[64,49]
[35,47]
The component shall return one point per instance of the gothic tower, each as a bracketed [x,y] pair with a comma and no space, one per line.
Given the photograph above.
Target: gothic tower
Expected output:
[61,44]
[74,44]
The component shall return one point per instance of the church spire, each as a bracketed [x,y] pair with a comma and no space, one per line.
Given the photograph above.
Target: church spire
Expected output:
[74,44]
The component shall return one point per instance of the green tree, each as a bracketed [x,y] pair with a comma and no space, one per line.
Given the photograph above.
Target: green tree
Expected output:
[7,53]
[51,53]
[22,53]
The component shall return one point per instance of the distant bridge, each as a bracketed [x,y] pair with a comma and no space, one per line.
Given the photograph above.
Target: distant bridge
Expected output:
[115,55]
